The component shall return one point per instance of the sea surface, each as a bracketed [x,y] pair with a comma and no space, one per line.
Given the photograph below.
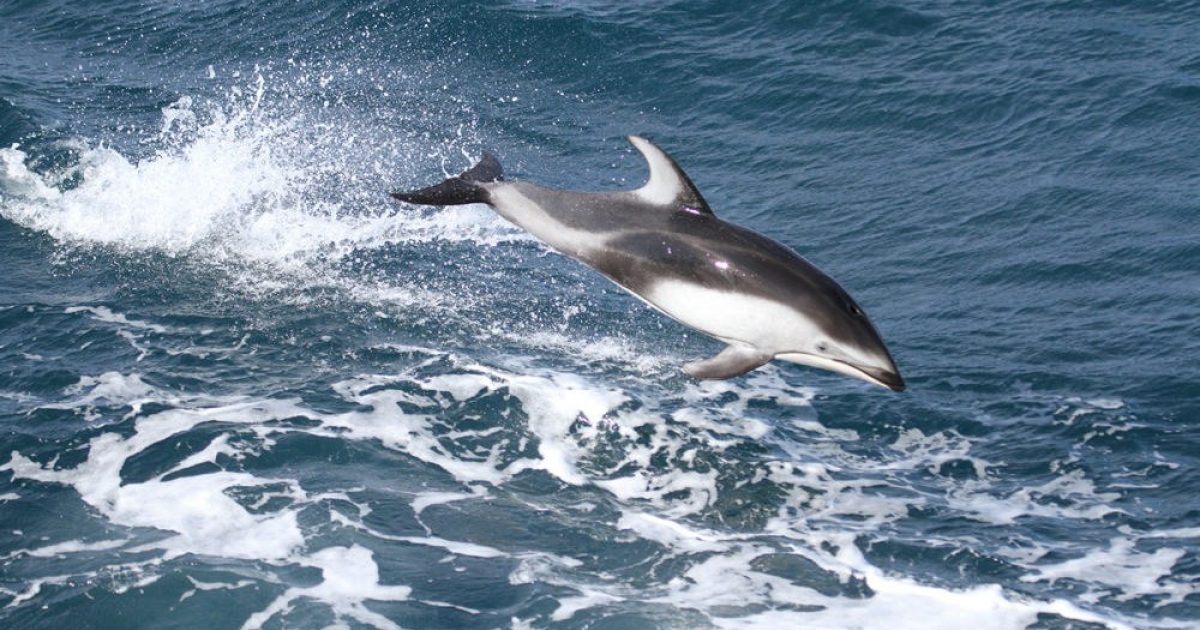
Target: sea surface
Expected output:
[240,387]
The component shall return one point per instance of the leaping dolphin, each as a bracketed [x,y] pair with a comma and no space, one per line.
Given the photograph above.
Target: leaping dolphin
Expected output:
[663,244]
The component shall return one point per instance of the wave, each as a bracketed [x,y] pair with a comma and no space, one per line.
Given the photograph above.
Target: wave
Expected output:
[762,541]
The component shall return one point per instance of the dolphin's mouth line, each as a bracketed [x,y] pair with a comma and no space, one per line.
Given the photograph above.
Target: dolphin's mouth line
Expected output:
[890,379]
[886,378]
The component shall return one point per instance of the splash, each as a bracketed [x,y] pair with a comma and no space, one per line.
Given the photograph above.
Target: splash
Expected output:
[233,184]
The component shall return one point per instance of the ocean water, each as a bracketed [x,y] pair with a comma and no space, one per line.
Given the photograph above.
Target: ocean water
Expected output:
[240,387]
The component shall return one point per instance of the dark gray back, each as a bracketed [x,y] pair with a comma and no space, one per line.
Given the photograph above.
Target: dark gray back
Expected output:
[648,244]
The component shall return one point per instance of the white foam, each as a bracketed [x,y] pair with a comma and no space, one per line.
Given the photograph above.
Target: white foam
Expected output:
[603,350]
[832,498]
[1181,532]
[453,546]
[670,533]
[170,201]
[19,597]
[70,546]
[204,518]
[235,184]
[105,314]
[219,446]
[550,418]
[1132,573]
[350,577]
[699,490]
[568,606]
[905,605]
[423,501]
[197,586]
[112,388]
[933,450]
[410,433]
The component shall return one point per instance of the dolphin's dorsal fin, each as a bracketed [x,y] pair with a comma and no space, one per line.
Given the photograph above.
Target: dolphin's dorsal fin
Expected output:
[668,184]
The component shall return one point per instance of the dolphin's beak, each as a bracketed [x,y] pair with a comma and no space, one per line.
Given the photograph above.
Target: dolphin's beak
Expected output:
[889,378]
[883,375]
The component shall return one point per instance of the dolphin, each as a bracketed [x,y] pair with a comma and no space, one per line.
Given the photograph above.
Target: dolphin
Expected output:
[663,244]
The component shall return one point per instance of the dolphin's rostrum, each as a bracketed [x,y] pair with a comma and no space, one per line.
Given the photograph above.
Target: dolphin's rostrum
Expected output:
[663,244]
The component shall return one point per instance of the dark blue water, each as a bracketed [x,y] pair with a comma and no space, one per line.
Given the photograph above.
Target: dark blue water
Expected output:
[239,387]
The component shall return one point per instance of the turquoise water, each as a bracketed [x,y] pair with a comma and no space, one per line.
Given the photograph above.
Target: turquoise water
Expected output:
[240,387]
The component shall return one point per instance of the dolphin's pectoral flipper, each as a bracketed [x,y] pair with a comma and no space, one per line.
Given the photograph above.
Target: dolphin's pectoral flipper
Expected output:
[734,360]
[459,190]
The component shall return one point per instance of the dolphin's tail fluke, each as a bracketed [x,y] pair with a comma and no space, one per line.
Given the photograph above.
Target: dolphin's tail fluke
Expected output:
[459,190]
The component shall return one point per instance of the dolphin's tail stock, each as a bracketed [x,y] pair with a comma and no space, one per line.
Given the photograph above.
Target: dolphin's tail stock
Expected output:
[459,190]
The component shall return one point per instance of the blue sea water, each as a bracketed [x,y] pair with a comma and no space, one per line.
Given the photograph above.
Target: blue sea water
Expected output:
[241,388]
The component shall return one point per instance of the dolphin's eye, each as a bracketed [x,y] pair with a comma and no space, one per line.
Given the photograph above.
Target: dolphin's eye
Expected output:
[821,347]
[855,311]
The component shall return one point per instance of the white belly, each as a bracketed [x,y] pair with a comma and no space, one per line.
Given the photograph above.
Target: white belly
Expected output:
[765,324]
